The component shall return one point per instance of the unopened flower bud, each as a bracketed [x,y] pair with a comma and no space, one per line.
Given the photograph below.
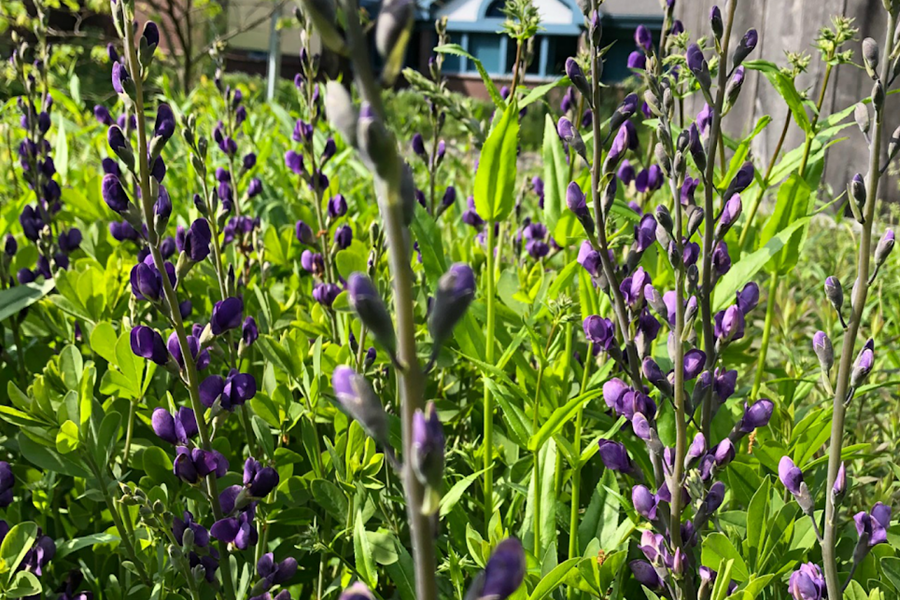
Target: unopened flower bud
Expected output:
[744,47]
[357,397]
[365,300]
[840,483]
[716,23]
[824,350]
[455,291]
[835,292]
[395,20]
[427,458]
[861,115]
[576,76]
[577,203]
[870,57]
[884,247]
[865,360]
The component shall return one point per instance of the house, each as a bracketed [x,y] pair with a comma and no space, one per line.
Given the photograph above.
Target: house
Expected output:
[474,24]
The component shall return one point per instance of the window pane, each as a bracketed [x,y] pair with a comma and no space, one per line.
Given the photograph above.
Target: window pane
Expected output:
[486,48]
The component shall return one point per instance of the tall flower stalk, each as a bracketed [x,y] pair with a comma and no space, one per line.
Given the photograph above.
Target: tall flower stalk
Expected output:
[853,370]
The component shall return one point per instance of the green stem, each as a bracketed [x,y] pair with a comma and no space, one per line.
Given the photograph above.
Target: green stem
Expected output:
[767,334]
[762,189]
[536,475]
[576,468]
[488,398]
[829,555]
[132,409]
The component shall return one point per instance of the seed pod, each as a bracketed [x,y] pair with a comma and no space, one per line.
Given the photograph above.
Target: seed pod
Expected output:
[371,310]
[870,57]
[834,292]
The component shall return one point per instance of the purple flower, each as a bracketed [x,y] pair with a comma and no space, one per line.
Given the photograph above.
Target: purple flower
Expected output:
[470,215]
[756,415]
[294,162]
[615,457]
[428,446]
[599,331]
[729,324]
[122,231]
[226,314]
[748,297]
[455,291]
[645,574]
[238,530]
[304,233]
[165,120]
[232,391]
[255,188]
[505,570]
[114,194]
[589,259]
[626,172]
[645,233]
[721,258]
[724,453]
[617,151]
[343,235]
[196,240]
[418,145]
[249,331]
[201,358]
[175,430]
[148,343]
[7,481]
[337,206]
[275,573]
[325,293]
[644,501]
[637,60]
[807,583]
[741,181]
[790,475]
[643,39]
[180,526]
[745,46]
[119,77]
[259,480]
[865,360]
[101,113]
[312,262]
[694,362]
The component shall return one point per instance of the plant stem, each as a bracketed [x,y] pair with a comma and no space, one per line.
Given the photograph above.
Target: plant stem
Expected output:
[488,397]
[762,190]
[132,409]
[411,378]
[536,475]
[767,334]
[829,556]
[169,291]
[576,468]
[709,340]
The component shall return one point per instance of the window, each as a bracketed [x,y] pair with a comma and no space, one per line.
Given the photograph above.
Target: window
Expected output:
[488,48]
[495,9]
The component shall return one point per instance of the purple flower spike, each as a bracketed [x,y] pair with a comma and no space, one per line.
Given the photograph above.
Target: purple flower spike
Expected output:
[226,314]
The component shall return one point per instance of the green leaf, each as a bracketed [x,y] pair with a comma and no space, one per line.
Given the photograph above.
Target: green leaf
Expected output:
[743,150]
[330,497]
[61,149]
[453,495]
[718,548]
[855,591]
[744,270]
[757,517]
[786,89]
[107,436]
[25,583]
[458,50]
[157,465]
[365,565]
[890,565]
[45,459]
[793,203]
[16,545]
[495,180]
[69,546]
[601,519]
[553,579]
[428,234]
[542,90]
[103,341]
[555,174]
[15,299]
[402,573]
[67,438]
[351,259]
[559,418]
